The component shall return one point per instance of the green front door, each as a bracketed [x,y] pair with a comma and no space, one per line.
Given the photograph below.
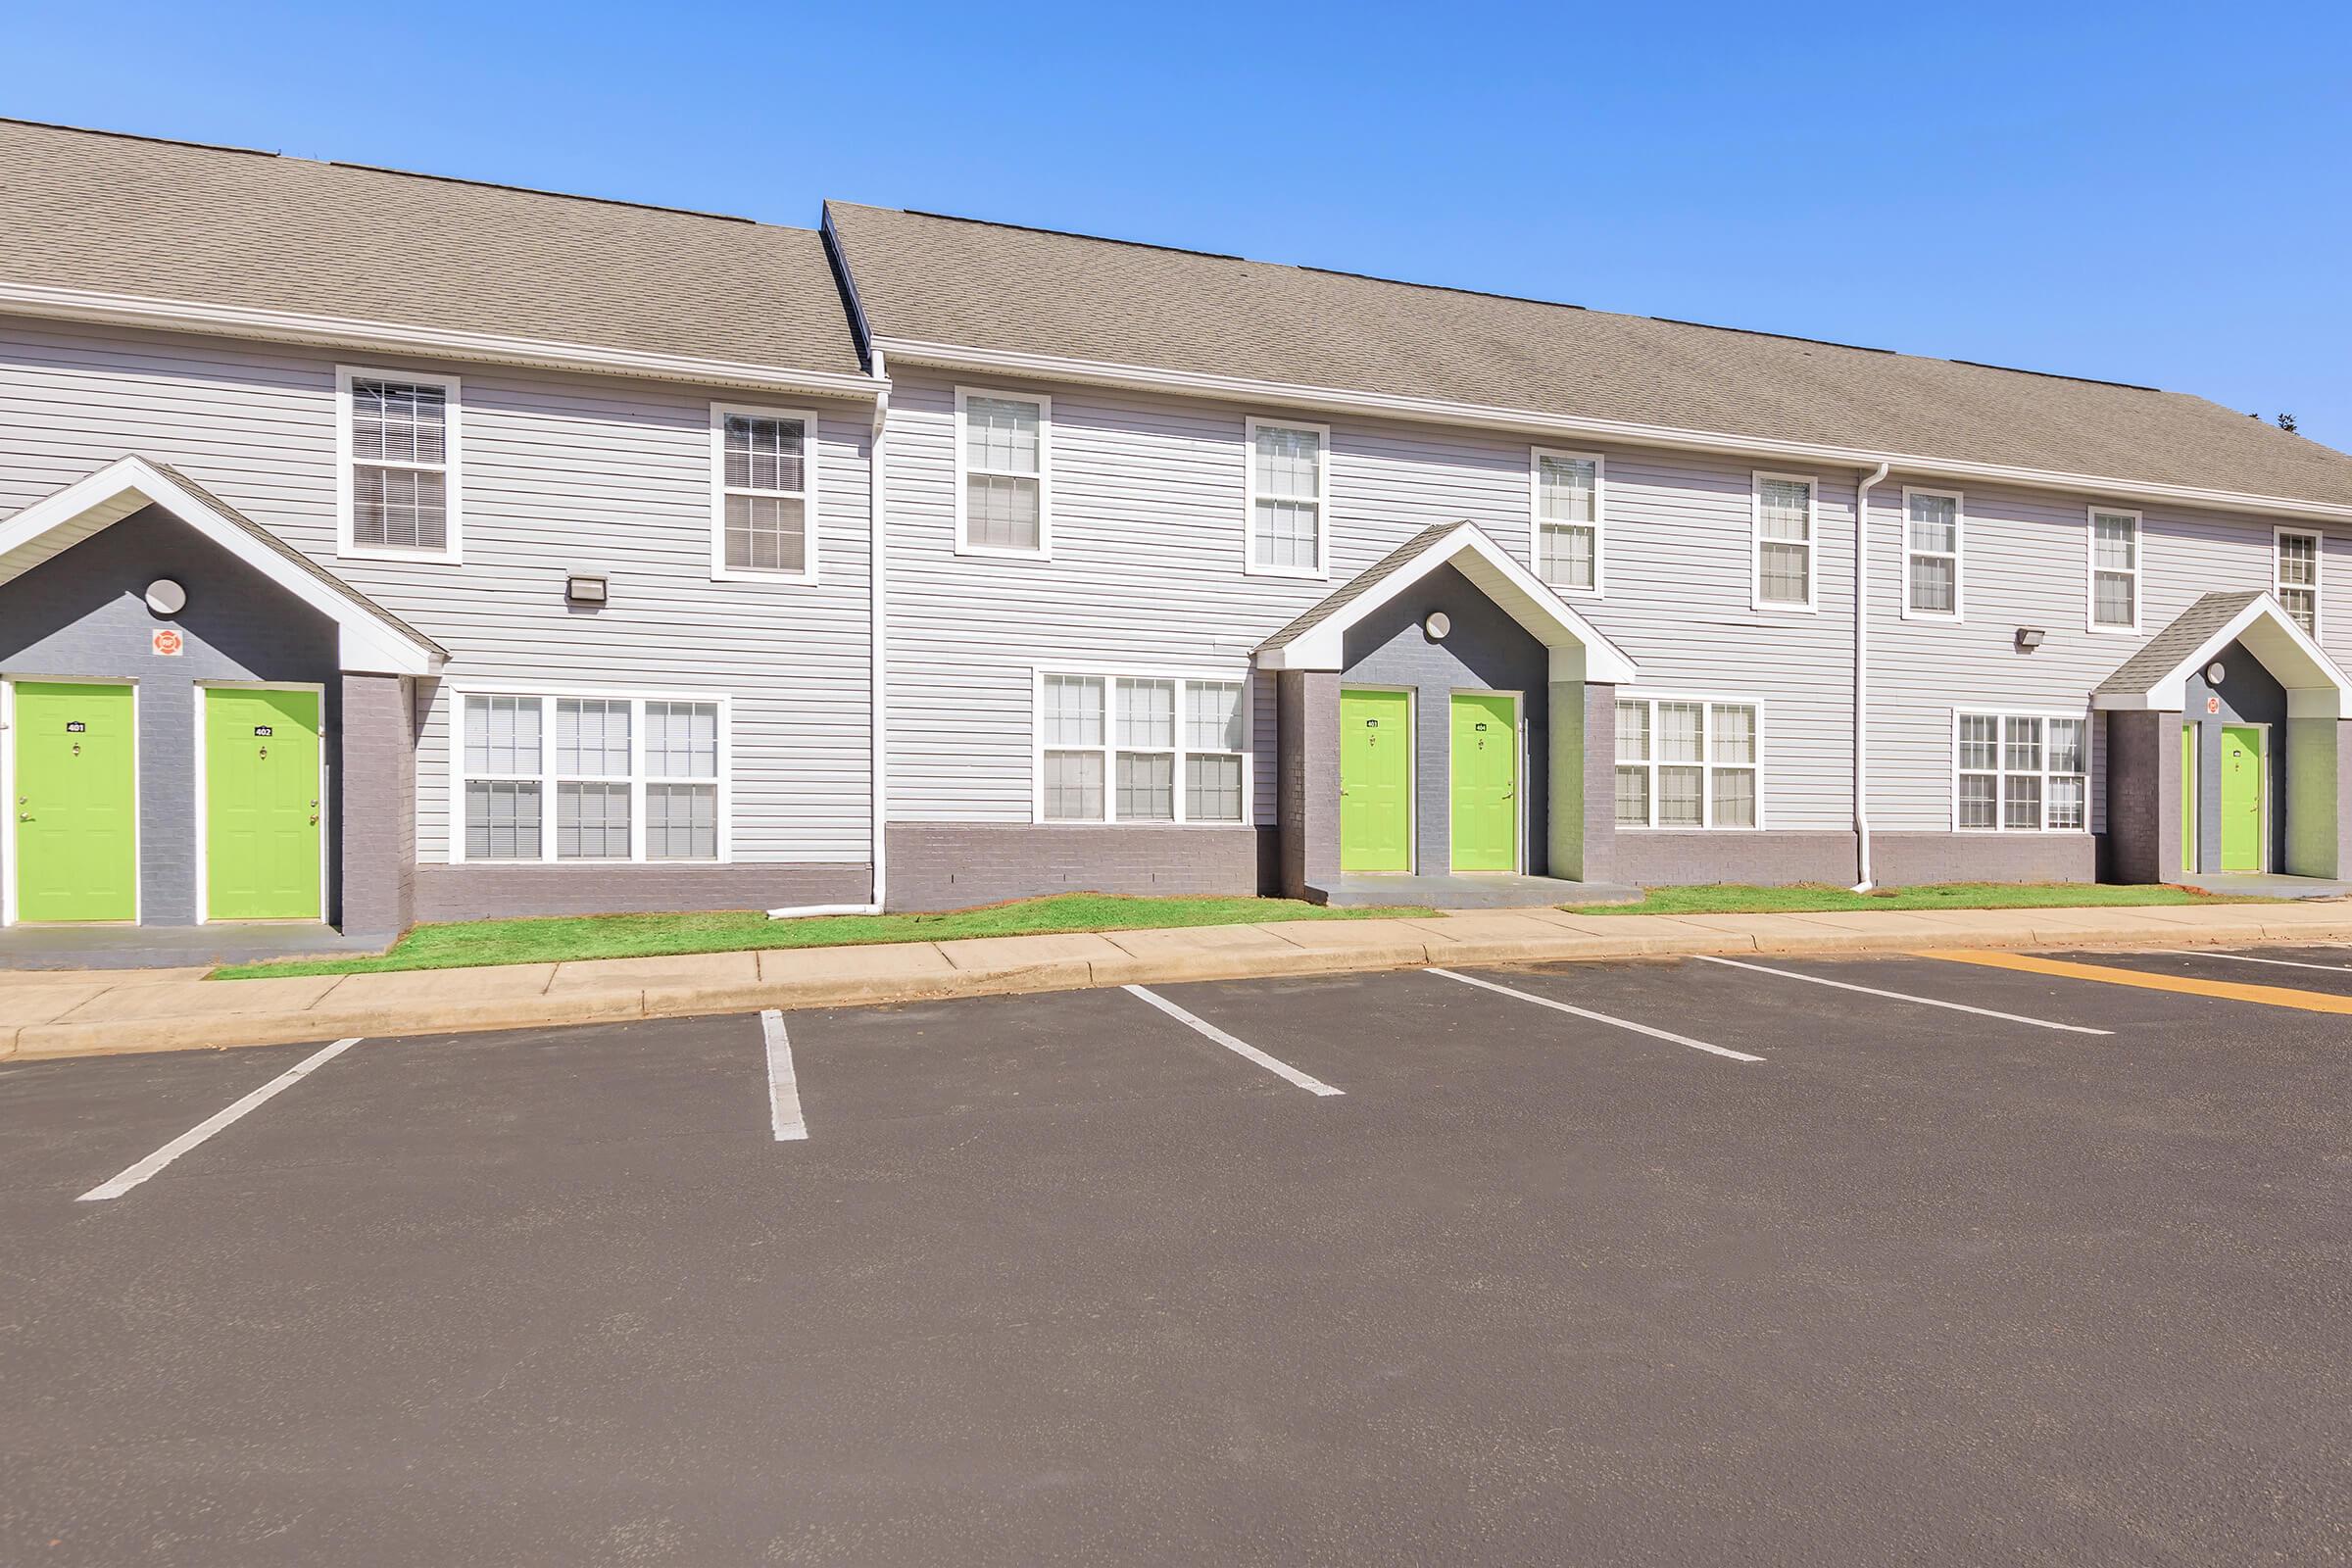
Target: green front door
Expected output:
[77,844]
[261,804]
[1485,799]
[2241,798]
[1376,781]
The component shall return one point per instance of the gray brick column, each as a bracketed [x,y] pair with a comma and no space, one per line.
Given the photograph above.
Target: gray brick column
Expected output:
[2143,796]
[2318,796]
[1306,770]
[1583,820]
[377,810]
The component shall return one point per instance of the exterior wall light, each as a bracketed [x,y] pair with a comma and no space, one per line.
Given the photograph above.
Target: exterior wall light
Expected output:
[2028,638]
[1437,625]
[584,590]
[2214,673]
[165,597]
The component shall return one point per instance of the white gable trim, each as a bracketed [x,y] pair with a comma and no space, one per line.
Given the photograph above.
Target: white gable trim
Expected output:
[2316,687]
[1579,652]
[369,641]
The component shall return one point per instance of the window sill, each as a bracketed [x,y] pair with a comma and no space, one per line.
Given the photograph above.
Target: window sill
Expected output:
[1936,617]
[427,558]
[2113,631]
[754,574]
[1133,821]
[1294,574]
[1763,606]
[1688,831]
[1003,553]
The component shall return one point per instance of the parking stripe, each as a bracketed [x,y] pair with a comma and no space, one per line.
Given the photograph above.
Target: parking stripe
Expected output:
[783,1083]
[1280,1070]
[2249,958]
[1598,1018]
[204,1129]
[2179,985]
[1903,996]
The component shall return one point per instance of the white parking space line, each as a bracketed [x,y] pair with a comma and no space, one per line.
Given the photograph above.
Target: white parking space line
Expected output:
[2249,958]
[1903,996]
[1600,1017]
[1280,1070]
[783,1085]
[204,1129]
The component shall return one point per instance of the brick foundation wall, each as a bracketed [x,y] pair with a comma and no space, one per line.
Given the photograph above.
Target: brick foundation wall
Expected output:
[1671,859]
[492,892]
[954,865]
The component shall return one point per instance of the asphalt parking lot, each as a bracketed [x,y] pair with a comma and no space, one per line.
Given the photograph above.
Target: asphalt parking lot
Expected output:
[1674,1261]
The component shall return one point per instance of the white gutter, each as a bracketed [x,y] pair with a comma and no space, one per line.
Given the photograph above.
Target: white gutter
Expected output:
[1862,674]
[1050,367]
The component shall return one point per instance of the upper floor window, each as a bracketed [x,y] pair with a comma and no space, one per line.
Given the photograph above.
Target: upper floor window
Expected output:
[1139,749]
[2114,571]
[1784,542]
[1931,555]
[763,493]
[1289,494]
[1003,485]
[398,484]
[1567,502]
[1687,763]
[2020,772]
[2296,577]
[540,778]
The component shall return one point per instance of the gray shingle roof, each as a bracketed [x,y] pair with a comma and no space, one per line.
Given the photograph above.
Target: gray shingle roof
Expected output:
[983,285]
[90,209]
[2179,641]
[1363,584]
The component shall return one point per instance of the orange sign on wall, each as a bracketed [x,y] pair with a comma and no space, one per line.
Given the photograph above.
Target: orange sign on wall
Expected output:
[166,642]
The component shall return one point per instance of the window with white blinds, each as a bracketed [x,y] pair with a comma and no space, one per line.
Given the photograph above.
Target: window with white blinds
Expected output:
[1783,541]
[1141,749]
[2114,571]
[762,493]
[2295,578]
[2021,772]
[1567,519]
[1002,449]
[554,778]
[1289,498]
[1688,762]
[1931,555]
[398,480]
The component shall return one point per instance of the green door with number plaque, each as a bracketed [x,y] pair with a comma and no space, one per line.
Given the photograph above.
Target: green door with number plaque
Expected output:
[2241,798]
[1376,781]
[1485,796]
[261,804]
[78,842]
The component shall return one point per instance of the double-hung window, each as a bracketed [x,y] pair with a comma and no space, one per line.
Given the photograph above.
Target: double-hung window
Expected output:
[1003,482]
[2021,772]
[398,481]
[1290,490]
[591,777]
[2114,571]
[1139,749]
[1567,521]
[1783,541]
[1689,762]
[2295,578]
[763,494]
[1931,555]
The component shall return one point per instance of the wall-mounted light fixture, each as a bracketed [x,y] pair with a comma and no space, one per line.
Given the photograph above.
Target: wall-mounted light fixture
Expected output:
[2028,638]
[2214,673]
[165,597]
[585,590]
[1437,625]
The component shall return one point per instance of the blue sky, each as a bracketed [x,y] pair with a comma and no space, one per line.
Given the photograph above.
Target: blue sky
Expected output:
[2142,193]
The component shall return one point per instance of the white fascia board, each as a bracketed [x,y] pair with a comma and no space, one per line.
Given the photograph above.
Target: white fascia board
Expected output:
[391,337]
[2316,686]
[1439,410]
[369,643]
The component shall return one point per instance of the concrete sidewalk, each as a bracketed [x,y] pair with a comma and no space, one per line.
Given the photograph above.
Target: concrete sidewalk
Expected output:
[95,1012]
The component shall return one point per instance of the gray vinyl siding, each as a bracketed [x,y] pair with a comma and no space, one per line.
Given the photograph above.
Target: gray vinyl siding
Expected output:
[560,474]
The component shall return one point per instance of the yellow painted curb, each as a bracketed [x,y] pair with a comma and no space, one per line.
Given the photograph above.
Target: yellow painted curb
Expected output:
[2179,985]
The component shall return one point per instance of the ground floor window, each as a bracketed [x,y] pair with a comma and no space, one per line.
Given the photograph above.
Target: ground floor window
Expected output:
[1141,749]
[2021,772]
[604,778]
[1690,761]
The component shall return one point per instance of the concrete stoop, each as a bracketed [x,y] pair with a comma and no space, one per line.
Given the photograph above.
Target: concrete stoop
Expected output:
[74,1013]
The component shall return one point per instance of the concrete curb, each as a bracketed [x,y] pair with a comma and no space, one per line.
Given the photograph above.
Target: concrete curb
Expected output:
[875,976]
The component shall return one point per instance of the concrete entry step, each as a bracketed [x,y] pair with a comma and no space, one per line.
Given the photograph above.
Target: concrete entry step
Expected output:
[1473,892]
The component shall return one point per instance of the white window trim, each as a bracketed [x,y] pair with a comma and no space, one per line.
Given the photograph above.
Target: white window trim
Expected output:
[1111,676]
[2000,798]
[1958,614]
[1250,567]
[1600,519]
[2139,562]
[452,551]
[1044,474]
[546,694]
[1707,763]
[1755,545]
[2319,573]
[808,495]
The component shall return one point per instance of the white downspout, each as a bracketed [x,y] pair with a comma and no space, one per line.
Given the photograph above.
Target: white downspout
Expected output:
[878,580]
[1862,675]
